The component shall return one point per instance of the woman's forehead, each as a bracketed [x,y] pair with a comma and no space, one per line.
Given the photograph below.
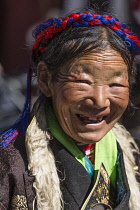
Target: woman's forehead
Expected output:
[96,60]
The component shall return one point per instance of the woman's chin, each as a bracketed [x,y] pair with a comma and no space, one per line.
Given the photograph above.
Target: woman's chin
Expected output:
[90,139]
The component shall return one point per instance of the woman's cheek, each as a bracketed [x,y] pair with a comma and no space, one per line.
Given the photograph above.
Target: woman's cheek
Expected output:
[120,97]
[69,95]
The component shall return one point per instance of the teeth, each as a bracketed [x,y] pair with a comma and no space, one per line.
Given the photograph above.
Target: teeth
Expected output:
[91,120]
[97,118]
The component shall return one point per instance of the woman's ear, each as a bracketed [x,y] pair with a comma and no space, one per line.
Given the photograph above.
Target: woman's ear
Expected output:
[44,78]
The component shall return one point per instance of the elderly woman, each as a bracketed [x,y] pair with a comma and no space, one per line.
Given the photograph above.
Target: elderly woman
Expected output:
[74,154]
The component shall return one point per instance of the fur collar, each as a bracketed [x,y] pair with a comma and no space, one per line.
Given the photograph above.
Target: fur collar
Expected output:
[42,164]
[126,141]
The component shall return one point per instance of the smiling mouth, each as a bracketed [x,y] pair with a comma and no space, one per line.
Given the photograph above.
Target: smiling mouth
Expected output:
[88,120]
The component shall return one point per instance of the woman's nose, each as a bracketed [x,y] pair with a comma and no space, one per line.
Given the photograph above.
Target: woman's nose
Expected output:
[98,97]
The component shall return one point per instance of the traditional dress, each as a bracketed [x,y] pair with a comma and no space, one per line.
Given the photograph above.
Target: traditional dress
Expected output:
[20,171]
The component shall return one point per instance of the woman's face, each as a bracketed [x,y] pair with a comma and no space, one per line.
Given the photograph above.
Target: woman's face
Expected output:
[90,94]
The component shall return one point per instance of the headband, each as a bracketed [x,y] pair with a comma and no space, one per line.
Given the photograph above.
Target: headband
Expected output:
[45,31]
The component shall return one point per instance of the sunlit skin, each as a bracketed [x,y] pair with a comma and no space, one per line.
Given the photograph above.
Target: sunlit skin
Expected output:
[89,94]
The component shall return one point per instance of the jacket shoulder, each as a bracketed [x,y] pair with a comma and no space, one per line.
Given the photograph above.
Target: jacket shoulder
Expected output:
[14,153]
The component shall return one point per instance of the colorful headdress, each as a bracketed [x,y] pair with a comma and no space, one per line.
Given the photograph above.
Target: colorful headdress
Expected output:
[43,34]
[45,31]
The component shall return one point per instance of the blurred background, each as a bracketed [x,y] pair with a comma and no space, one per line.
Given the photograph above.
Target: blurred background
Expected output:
[18,18]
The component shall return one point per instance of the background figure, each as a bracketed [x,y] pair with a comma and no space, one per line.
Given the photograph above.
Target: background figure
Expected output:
[12,98]
[16,21]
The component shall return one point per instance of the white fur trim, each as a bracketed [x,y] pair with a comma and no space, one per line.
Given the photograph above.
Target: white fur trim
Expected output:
[42,166]
[124,138]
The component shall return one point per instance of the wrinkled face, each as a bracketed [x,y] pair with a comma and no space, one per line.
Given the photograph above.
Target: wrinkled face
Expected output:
[90,94]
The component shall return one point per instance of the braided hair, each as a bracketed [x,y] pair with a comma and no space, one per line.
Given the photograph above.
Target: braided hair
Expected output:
[45,31]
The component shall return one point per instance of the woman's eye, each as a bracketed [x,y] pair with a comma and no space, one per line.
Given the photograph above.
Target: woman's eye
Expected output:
[116,85]
[82,81]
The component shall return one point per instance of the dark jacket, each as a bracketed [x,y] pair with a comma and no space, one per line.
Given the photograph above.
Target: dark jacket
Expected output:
[16,182]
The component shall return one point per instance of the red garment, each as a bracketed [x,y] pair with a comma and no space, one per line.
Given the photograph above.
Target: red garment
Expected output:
[89,150]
